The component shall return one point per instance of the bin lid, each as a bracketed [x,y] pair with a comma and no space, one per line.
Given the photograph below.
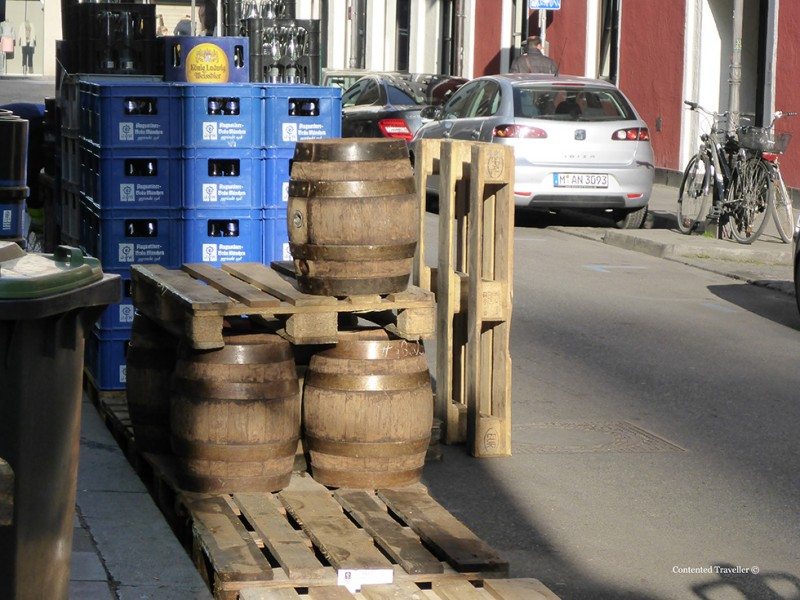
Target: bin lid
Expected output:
[24,275]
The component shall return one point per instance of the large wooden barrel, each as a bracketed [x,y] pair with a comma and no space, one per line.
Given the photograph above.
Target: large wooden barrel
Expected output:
[352,216]
[150,362]
[367,411]
[235,415]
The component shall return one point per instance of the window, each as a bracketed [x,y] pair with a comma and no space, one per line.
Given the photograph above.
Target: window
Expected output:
[571,103]
[487,100]
[458,105]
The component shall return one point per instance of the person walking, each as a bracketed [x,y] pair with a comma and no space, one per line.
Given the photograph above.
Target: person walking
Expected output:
[534,60]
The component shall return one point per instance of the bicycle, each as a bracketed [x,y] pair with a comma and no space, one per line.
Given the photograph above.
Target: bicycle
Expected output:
[762,169]
[708,172]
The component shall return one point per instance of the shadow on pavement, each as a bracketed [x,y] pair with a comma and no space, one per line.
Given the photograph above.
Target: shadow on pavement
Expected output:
[760,304]
[540,218]
[749,585]
[466,486]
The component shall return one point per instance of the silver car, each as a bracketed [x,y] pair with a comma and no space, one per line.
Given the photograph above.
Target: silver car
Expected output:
[578,142]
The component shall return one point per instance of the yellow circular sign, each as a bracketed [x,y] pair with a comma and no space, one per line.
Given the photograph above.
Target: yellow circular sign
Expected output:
[207,63]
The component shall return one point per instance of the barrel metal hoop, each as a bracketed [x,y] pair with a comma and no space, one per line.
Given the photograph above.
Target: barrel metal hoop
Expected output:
[148,359]
[198,391]
[349,151]
[367,449]
[242,354]
[233,452]
[374,349]
[352,189]
[329,286]
[367,383]
[362,253]
[361,479]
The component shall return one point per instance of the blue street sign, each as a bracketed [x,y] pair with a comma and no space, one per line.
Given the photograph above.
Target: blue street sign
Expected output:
[544,4]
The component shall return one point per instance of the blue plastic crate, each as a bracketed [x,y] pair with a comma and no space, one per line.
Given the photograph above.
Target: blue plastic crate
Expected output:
[276,235]
[11,219]
[126,114]
[277,172]
[105,358]
[217,237]
[206,60]
[118,316]
[222,178]
[132,178]
[121,238]
[299,112]
[221,116]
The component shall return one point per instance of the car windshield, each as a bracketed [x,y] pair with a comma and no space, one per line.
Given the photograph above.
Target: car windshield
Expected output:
[571,103]
[401,93]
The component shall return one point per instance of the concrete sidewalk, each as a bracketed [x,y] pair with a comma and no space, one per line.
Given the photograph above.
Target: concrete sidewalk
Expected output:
[767,262]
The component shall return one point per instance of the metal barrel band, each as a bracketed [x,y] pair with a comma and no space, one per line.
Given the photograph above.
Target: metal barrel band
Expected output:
[198,391]
[375,349]
[374,479]
[367,449]
[351,189]
[200,483]
[233,452]
[329,286]
[238,354]
[367,383]
[361,150]
[362,253]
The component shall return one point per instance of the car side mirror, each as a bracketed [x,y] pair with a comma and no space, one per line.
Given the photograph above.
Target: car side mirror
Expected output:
[430,112]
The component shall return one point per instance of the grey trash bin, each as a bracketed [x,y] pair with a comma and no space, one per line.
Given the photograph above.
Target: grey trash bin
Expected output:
[48,303]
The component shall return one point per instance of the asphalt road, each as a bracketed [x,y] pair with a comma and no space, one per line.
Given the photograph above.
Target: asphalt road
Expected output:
[654,430]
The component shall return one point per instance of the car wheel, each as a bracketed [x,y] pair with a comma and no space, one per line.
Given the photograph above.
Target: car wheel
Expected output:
[630,219]
[797,282]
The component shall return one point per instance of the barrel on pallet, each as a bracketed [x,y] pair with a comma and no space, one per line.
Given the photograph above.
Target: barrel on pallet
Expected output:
[352,216]
[367,411]
[235,415]
[150,362]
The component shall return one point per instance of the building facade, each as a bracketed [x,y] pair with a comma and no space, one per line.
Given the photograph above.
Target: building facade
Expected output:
[658,53]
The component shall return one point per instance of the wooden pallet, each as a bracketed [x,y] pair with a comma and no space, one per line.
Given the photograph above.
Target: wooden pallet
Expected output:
[299,542]
[490,589]
[194,301]
[473,284]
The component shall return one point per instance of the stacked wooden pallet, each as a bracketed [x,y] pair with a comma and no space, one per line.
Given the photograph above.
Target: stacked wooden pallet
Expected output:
[194,302]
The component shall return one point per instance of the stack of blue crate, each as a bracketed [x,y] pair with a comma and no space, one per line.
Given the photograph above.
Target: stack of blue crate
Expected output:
[292,113]
[176,173]
[222,173]
[130,192]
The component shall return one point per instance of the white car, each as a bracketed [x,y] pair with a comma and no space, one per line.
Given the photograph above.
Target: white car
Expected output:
[578,142]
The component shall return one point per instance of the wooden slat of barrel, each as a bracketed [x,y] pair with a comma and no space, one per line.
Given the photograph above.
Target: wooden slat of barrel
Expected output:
[352,216]
[150,362]
[367,410]
[235,415]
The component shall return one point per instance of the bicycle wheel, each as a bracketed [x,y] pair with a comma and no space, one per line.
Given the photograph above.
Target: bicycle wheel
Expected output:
[782,211]
[691,201]
[748,200]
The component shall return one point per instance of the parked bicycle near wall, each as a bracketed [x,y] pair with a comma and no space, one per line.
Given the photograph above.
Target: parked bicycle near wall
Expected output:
[761,170]
[704,189]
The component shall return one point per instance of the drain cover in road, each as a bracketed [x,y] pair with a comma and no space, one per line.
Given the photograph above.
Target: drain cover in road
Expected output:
[582,437]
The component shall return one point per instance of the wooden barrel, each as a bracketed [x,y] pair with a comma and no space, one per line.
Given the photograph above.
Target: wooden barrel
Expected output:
[367,411]
[353,216]
[150,362]
[235,415]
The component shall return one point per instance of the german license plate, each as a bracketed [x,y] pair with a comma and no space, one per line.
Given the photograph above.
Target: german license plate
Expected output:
[580,180]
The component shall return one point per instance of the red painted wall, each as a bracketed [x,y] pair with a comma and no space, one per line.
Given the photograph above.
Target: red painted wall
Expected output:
[488,23]
[651,71]
[787,92]
[566,36]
